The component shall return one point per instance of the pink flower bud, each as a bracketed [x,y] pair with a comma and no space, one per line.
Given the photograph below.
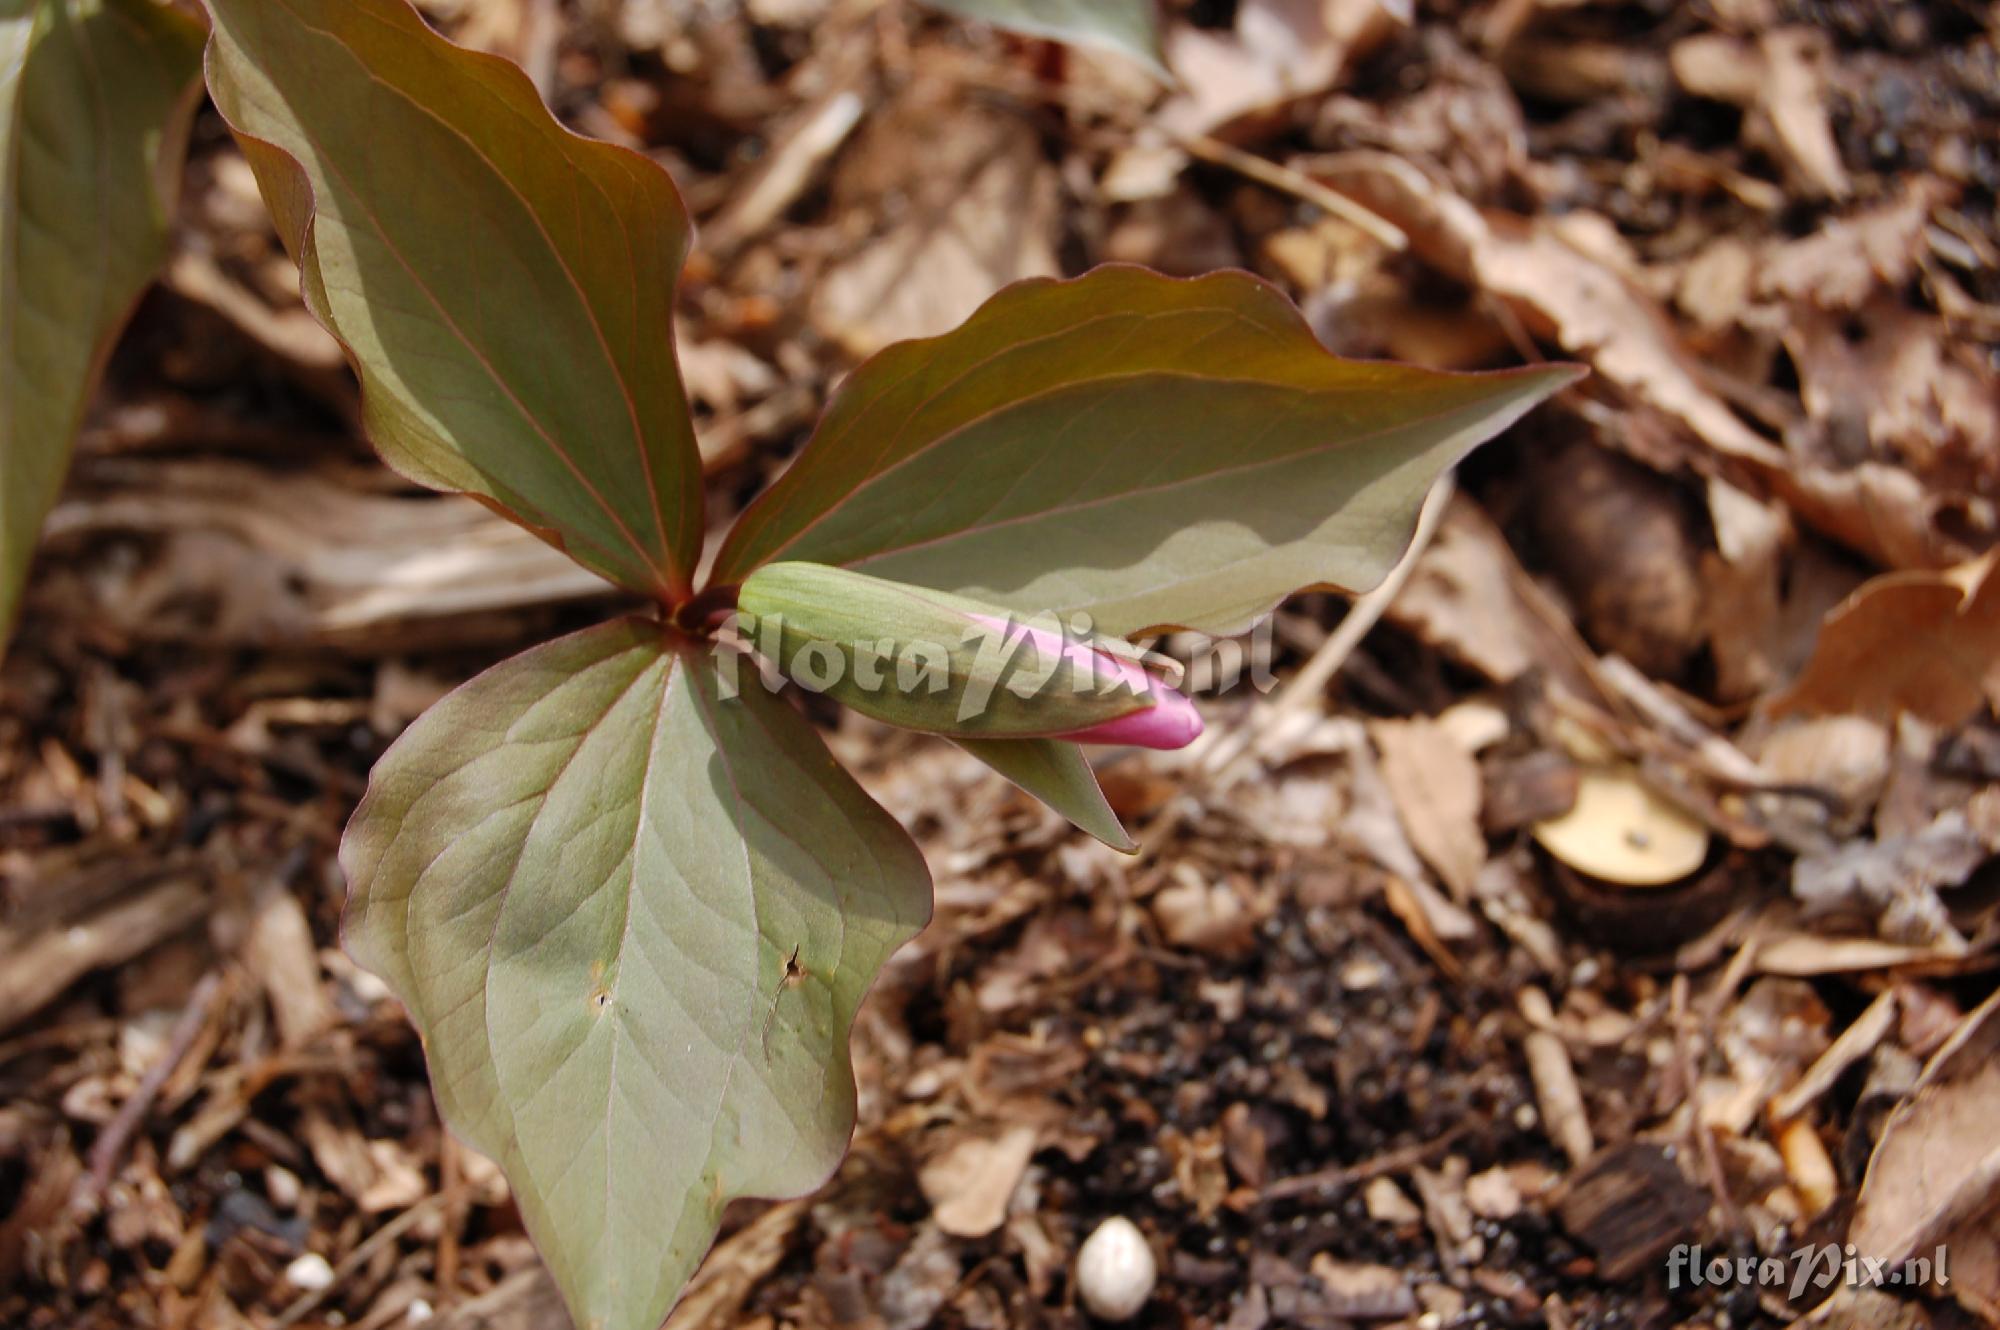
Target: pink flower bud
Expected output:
[1170,722]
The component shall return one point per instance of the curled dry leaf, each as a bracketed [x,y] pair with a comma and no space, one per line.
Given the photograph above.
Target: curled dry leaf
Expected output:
[1590,307]
[1471,599]
[1886,381]
[1934,1179]
[1922,643]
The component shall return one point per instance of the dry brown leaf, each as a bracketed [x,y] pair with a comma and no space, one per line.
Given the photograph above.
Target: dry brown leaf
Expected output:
[35,967]
[1793,96]
[1588,307]
[1715,286]
[1779,81]
[1923,643]
[1279,51]
[1847,756]
[1744,585]
[1206,916]
[1934,1179]
[279,951]
[1597,313]
[1892,384]
[1850,259]
[1470,598]
[1436,785]
[972,1177]
[286,557]
[975,207]
[714,1299]
[1799,954]
[376,1175]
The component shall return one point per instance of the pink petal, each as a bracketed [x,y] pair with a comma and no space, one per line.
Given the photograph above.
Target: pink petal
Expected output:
[1171,722]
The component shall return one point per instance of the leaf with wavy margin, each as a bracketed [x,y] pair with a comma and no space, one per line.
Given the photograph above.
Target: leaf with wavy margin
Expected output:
[95,101]
[1149,451]
[633,921]
[504,287]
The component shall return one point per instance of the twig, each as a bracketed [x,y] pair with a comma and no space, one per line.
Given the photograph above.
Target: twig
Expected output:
[1394,1161]
[1299,185]
[110,1145]
[1308,686]
[1855,1042]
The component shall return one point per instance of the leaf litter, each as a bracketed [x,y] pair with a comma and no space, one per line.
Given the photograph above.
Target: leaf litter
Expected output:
[1350,1041]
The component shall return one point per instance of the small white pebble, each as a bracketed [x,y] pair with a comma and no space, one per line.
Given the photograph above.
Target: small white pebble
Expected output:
[310,1273]
[283,1187]
[419,1312]
[1115,1270]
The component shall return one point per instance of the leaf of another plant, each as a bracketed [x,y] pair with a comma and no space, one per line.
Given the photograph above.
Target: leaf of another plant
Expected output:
[633,921]
[1126,26]
[1059,775]
[504,287]
[95,101]
[1150,451]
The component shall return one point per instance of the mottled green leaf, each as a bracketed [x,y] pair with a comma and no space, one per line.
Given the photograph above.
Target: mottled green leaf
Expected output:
[1126,26]
[633,921]
[1059,775]
[95,99]
[1150,451]
[504,287]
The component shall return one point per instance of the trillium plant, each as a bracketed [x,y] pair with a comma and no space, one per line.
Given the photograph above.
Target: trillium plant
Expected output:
[621,887]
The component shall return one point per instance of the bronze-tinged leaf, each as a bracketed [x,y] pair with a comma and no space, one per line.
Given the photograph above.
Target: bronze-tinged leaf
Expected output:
[1149,451]
[95,101]
[633,919]
[1129,27]
[504,287]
